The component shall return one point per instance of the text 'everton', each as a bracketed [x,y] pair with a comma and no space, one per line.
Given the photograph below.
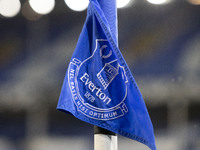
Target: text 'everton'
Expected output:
[102,96]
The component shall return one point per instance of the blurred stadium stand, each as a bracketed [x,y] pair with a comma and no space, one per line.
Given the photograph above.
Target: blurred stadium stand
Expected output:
[161,45]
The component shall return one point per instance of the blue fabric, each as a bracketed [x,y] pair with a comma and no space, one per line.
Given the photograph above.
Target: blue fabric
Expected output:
[99,87]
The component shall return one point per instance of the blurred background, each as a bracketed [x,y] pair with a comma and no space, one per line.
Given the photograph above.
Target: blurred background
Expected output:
[159,39]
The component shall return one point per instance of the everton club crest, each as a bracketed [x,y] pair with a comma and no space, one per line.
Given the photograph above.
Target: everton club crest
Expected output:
[98,84]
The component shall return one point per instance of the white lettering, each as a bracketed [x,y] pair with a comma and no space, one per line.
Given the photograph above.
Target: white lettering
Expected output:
[89,96]
[71,73]
[103,115]
[91,87]
[102,96]
[84,76]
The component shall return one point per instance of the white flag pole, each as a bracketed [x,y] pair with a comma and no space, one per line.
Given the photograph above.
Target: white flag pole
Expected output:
[104,139]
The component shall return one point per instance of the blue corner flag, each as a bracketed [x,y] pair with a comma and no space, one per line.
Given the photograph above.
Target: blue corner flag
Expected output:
[99,87]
